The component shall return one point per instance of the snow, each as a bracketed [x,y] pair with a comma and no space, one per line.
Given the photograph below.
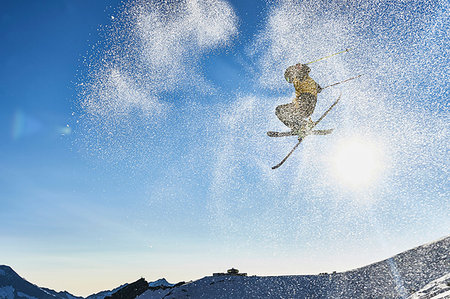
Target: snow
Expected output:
[150,54]
[70,296]
[7,292]
[63,294]
[145,55]
[295,32]
[243,198]
[439,288]
[444,295]
[160,282]
[425,268]
[396,277]
[150,294]
[103,294]
[20,294]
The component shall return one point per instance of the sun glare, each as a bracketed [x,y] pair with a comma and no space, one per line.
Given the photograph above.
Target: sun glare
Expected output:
[357,163]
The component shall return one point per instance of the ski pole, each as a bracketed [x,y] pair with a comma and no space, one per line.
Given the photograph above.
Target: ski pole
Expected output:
[346,50]
[342,81]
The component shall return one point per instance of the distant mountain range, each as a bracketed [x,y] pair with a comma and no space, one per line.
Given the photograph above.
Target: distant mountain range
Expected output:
[419,273]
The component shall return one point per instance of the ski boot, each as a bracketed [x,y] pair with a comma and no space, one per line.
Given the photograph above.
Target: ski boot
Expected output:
[305,128]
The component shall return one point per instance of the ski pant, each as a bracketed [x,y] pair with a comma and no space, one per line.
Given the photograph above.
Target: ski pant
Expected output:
[292,115]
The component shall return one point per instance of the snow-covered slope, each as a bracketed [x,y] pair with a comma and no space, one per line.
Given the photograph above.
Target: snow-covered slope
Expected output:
[107,293]
[396,277]
[63,294]
[13,286]
[439,288]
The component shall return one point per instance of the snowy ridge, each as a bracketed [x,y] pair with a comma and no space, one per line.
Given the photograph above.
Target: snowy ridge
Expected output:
[63,294]
[160,283]
[396,277]
[103,294]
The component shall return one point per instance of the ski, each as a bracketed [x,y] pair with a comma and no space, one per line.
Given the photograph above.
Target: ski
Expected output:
[322,132]
[305,132]
[291,133]
[285,158]
[280,134]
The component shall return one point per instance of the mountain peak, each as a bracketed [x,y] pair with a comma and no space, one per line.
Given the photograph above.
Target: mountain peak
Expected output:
[160,283]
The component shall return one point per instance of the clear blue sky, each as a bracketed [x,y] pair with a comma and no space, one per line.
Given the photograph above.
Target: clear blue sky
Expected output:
[128,149]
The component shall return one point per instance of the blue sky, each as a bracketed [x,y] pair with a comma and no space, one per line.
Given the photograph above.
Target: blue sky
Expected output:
[130,150]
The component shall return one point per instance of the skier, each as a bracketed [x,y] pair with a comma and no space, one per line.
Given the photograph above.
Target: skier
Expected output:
[296,115]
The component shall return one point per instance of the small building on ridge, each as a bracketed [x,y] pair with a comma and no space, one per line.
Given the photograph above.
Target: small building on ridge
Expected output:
[230,272]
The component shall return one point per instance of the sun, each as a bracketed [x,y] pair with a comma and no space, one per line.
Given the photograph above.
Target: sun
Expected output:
[357,163]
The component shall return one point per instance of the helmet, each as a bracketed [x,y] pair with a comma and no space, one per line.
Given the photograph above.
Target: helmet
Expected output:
[298,71]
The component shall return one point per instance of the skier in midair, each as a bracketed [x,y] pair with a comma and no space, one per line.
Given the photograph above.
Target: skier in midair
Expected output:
[296,115]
